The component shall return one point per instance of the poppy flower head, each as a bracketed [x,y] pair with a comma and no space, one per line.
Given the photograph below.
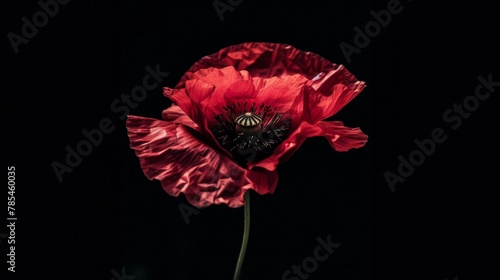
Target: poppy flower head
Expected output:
[250,107]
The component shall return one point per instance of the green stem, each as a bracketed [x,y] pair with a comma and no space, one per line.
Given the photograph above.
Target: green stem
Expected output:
[246,232]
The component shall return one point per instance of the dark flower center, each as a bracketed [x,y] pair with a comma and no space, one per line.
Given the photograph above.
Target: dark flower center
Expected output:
[250,134]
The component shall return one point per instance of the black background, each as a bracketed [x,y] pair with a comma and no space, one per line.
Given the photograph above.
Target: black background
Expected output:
[105,215]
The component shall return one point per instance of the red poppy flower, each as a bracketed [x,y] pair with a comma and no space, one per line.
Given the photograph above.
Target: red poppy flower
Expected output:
[238,114]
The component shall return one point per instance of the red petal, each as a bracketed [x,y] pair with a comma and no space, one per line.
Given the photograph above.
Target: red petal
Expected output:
[204,96]
[340,137]
[280,92]
[175,114]
[195,113]
[263,59]
[326,96]
[220,77]
[171,153]
[181,99]
[239,92]
[214,88]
